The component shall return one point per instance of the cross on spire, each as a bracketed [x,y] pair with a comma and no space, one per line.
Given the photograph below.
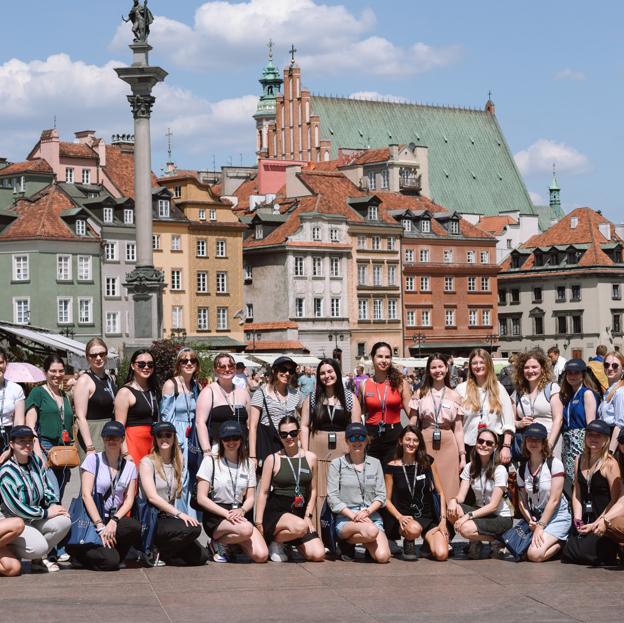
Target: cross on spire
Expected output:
[292,54]
[270,46]
[489,95]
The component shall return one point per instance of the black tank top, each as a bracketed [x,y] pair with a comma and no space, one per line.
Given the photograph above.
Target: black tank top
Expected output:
[144,412]
[420,504]
[101,404]
[598,493]
[223,413]
[334,419]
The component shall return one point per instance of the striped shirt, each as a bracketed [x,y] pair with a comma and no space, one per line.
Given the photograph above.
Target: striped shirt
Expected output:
[277,408]
[25,490]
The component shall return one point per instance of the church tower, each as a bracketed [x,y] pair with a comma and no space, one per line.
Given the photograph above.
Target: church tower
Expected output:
[554,190]
[266,111]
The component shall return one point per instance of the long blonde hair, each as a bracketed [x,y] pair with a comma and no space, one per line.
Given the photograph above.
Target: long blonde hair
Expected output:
[177,463]
[620,383]
[472,401]
[604,459]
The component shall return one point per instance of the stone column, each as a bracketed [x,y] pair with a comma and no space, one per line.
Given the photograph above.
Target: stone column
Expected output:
[145,283]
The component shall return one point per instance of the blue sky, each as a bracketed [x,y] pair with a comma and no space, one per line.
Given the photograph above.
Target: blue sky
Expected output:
[555,69]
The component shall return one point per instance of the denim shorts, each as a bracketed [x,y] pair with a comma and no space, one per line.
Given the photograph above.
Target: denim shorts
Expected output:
[341,520]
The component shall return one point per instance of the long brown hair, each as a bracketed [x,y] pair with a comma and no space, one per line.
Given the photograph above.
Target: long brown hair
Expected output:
[566,393]
[395,378]
[177,463]
[427,383]
[476,466]
[491,384]
[546,377]
[422,459]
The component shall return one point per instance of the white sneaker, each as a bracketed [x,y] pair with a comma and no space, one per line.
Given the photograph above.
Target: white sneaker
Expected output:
[277,553]
[63,558]
[44,566]
[498,550]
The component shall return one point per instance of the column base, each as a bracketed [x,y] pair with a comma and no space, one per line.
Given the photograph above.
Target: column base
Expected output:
[145,284]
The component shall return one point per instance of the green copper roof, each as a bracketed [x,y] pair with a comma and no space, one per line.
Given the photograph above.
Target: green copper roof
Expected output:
[271,83]
[471,169]
[548,215]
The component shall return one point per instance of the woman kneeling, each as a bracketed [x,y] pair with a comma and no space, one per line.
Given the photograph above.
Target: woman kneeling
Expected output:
[225,492]
[488,480]
[355,492]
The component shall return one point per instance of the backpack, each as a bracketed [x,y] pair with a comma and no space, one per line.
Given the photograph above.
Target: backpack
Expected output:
[568,485]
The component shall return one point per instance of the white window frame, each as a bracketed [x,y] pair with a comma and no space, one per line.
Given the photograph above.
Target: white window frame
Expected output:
[130,251]
[299,307]
[473,317]
[21,267]
[164,208]
[425,284]
[486,317]
[316,233]
[449,318]
[111,287]
[361,241]
[392,274]
[222,282]
[112,323]
[447,256]
[372,185]
[81,227]
[423,255]
[449,284]
[317,307]
[362,309]
[407,224]
[201,215]
[258,231]
[485,284]
[84,265]
[63,267]
[410,283]
[362,272]
[67,301]
[69,175]
[378,275]
[409,256]
[299,269]
[334,234]
[156,242]
[393,307]
[249,311]
[391,243]
[201,282]
[484,257]
[21,310]
[425,318]
[201,247]
[376,243]
[471,257]
[335,307]
[176,280]
[128,216]
[88,302]
[108,215]
[378,309]
[177,316]
[334,266]
[425,226]
[203,319]
[176,242]
[221,248]
[472,284]
[110,251]
[222,319]
[317,266]
[86,176]
[212,214]
[410,318]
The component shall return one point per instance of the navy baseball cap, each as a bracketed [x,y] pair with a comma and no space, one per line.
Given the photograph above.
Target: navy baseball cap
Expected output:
[355,428]
[163,427]
[113,429]
[284,362]
[21,431]
[536,430]
[600,427]
[575,365]
[230,429]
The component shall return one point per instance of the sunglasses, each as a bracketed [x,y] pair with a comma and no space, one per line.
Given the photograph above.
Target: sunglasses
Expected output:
[186,362]
[354,438]
[96,355]
[234,438]
[485,442]
[164,436]
[223,366]
[144,364]
[284,371]
[615,366]
[285,434]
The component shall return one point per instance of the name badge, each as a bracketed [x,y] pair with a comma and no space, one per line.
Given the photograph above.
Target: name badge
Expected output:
[421,477]
[371,477]
[305,471]
[575,402]
[244,477]
[369,394]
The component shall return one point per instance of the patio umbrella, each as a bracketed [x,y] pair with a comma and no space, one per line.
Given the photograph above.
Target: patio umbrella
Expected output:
[22,372]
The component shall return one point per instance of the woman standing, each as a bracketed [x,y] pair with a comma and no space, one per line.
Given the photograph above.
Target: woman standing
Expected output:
[542,503]
[269,405]
[355,492]
[27,494]
[136,405]
[177,405]
[536,397]
[94,398]
[324,417]
[49,413]
[486,404]
[287,497]
[225,490]
[161,474]
[437,410]
[12,404]
[597,488]
[114,480]
[488,480]
[382,398]
[611,409]
[411,480]
[579,398]
[220,401]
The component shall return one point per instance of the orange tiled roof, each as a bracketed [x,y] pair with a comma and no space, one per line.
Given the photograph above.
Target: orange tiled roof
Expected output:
[372,155]
[36,165]
[77,150]
[496,224]
[264,345]
[120,170]
[217,189]
[270,326]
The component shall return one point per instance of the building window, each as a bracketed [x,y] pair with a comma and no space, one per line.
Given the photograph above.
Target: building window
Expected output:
[362,309]
[130,252]
[472,284]
[509,243]
[318,307]
[63,268]
[299,308]
[334,266]
[425,284]
[448,256]
[111,286]
[258,232]
[410,285]
[177,191]
[515,296]
[110,251]
[63,310]
[84,268]
[425,226]
[212,214]
[334,235]
[484,256]
[470,257]
[21,270]
[248,271]
[537,295]
[515,327]
[562,324]
[69,175]
[485,284]
[502,297]
[392,272]
[164,208]
[410,318]
[454,227]
[616,323]
[616,292]
[128,216]
[249,312]
[392,309]
[81,227]
[502,326]
[113,323]
[176,280]
[377,271]
[385,179]
[449,284]
[424,255]
[86,176]
[222,318]
[108,215]
[316,234]
[85,310]
[222,286]
[201,248]
[21,311]
[425,318]
[317,266]
[361,274]
[409,255]
[577,324]
[176,242]
[376,243]
[486,317]
[299,266]
[335,308]
[361,349]
[472,318]
[576,293]
[561,294]
[538,325]
[156,242]
[202,282]
[201,215]
[377,309]
[407,224]
[392,243]
[449,317]
[221,248]
[372,184]
[361,242]
[177,317]
[202,319]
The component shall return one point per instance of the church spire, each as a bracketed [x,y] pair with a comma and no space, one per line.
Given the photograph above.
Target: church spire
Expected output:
[554,191]
[489,105]
[271,82]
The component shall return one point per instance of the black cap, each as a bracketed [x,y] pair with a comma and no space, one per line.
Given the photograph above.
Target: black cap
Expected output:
[284,362]
[599,426]
[163,427]
[536,430]
[355,428]
[21,431]
[113,429]
[621,436]
[230,429]
[575,365]
[240,365]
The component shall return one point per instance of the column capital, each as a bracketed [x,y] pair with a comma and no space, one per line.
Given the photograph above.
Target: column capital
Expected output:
[144,280]
[141,105]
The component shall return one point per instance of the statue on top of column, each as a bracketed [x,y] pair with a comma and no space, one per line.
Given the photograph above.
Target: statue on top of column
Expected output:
[141,18]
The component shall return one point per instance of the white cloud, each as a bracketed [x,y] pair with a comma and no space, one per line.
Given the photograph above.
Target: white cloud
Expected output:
[329,39]
[377,97]
[537,199]
[540,156]
[570,74]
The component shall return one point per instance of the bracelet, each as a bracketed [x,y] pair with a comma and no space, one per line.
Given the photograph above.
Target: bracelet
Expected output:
[177,515]
[91,448]
[257,523]
[252,457]
[114,518]
[470,515]
[506,445]
[462,453]
[541,524]
[100,530]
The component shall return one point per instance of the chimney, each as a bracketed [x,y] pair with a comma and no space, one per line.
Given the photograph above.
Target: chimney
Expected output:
[124,141]
[49,150]
[3,162]
[394,151]
[85,137]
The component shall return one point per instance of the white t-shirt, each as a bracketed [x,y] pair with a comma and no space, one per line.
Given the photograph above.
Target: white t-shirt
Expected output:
[559,367]
[228,476]
[9,395]
[483,488]
[540,409]
[240,380]
[544,479]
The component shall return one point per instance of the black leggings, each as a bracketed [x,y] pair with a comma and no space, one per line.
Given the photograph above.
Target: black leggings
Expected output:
[177,543]
[100,558]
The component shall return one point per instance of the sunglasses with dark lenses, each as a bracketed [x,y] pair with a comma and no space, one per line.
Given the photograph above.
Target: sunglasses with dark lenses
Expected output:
[285,434]
[96,355]
[485,442]
[185,362]
[223,366]
[234,438]
[164,436]
[144,364]
[284,370]
[615,366]
[354,438]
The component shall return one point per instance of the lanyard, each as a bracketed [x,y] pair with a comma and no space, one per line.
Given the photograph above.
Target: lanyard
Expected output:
[150,402]
[415,509]
[29,483]
[170,496]
[4,389]
[362,483]
[590,475]
[234,481]
[106,385]
[437,408]
[296,476]
[115,480]
[232,404]
[485,397]
[411,487]
[382,403]
[566,410]
[188,405]
[535,480]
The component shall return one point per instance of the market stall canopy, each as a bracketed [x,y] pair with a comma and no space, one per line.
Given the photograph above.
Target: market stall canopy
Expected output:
[300,360]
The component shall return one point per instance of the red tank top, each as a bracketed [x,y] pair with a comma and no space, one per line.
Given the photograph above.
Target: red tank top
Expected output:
[382,402]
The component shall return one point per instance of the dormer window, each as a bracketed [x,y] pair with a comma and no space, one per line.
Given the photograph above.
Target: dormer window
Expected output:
[128,216]
[407,224]
[316,234]
[81,227]
[164,208]
[373,213]
[372,180]
[259,233]
[574,222]
[425,226]
[454,227]
[108,215]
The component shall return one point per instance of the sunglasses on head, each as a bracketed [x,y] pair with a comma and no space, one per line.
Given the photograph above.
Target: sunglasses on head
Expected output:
[285,434]
[144,364]
[96,355]
[164,436]
[615,366]
[354,438]
[224,366]
[232,438]
[485,442]
[185,362]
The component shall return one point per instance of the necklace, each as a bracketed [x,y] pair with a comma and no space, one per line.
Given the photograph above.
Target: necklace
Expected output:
[233,480]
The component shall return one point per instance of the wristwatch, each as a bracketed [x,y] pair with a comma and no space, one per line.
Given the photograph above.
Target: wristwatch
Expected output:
[114,518]
[541,524]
